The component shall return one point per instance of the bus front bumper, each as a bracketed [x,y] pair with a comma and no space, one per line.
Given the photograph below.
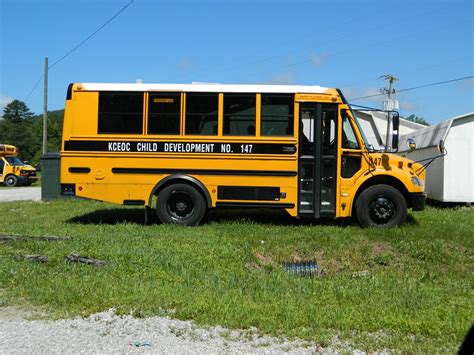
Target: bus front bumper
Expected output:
[27,180]
[418,201]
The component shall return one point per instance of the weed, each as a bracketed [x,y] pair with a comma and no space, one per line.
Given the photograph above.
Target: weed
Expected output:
[420,284]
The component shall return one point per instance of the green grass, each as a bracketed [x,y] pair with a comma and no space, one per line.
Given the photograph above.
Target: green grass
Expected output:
[417,298]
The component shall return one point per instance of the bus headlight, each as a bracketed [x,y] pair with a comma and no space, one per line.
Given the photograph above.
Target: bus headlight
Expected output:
[416,181]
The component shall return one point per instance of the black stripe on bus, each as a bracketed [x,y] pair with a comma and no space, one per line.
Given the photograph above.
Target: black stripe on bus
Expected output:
[203,172]
[255,204]
[179,147]
[77,169]
[256,193]
[133,202]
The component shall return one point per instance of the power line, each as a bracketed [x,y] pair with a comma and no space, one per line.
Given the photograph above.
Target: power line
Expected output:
[368,44]
[91,35]
[415,87]
[79,45]
[34,88]
[330,41]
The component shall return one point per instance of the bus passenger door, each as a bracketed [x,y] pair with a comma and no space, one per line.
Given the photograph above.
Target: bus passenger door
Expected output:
[317,159]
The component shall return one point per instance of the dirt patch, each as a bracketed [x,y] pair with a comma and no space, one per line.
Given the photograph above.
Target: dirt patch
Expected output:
[21,312]
[362,256]
[263,259]
[381,248]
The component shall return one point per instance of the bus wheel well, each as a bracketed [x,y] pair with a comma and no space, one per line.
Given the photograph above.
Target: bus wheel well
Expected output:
[386,180]
[182,179]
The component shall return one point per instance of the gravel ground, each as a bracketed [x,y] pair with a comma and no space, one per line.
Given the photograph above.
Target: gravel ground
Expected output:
[20,193]
[107,333]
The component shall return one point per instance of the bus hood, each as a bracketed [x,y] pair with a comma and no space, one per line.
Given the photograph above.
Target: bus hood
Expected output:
[390,161]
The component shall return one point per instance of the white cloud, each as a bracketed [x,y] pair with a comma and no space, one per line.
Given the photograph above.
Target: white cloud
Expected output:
[184,64]
[375,101]
[4,101]
[282,79]
[372,91]
[351,93]
[407,105]
[318,59]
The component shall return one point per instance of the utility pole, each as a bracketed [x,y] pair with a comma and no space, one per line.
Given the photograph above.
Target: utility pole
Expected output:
[390,105]
[45,113]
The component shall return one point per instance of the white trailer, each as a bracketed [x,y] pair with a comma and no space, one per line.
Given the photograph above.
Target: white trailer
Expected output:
[449,178]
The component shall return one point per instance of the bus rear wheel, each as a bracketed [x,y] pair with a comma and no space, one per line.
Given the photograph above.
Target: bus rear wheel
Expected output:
[11,180]
[381,206]
[180,204]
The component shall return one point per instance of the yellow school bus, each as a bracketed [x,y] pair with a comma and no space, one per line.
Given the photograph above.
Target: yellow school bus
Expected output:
[182,149]
[13,171]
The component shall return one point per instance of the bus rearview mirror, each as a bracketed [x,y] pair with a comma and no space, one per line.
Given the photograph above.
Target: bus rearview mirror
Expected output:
[395,121]
[395,142]
[441,146]
[395,127]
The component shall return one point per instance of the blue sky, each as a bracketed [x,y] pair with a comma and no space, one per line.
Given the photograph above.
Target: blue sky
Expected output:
[343,44]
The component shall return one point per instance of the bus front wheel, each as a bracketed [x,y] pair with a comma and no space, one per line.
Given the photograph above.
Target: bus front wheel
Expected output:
[11,180]
[180,204]
[381,206]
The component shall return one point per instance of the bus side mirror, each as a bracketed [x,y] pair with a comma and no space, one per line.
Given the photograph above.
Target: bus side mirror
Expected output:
[411,144]
[395,142]
[395,127]
[441,147]
[395,121]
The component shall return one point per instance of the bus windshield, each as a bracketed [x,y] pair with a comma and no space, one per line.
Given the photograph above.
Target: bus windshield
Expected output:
[364,138]
[14,161]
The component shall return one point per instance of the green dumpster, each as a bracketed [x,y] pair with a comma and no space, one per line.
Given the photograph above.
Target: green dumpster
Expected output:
[50,180]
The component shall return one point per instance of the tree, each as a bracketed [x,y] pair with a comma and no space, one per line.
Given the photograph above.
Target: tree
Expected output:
[417,119]
[17,128]
[17,111]
[24,130]
[55,132]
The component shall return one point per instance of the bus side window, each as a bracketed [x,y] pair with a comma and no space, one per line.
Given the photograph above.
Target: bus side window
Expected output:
[277,115]
[164,111]
[201,113]
[349,139]
[239,114]
[307,131]
[2,164]
[120,112]
[328,131]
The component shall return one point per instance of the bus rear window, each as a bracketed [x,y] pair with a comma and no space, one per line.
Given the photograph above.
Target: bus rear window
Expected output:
[120,112]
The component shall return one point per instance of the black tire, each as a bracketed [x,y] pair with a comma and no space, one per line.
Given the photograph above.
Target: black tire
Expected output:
[381,206]
[180,204]
[11,180]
